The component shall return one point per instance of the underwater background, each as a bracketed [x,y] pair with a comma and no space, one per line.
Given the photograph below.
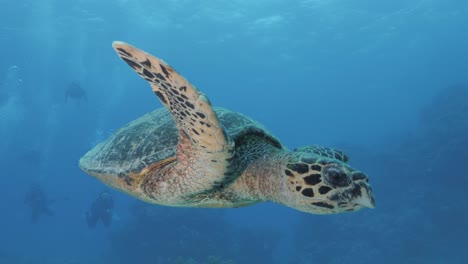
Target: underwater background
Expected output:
[384,81]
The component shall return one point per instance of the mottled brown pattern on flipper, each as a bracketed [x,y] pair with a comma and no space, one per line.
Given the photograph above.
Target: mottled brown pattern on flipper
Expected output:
[193,115]
[190,109]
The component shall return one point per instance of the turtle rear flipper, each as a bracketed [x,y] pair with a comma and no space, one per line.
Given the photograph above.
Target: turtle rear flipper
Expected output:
[204,147]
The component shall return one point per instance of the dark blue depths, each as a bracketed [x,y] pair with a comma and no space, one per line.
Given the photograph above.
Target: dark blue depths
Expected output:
[384,82]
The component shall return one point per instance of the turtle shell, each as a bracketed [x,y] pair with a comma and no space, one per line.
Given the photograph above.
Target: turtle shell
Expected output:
[153,138]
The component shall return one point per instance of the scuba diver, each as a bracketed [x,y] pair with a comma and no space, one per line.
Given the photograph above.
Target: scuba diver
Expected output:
[101,208]
[37,200]
[74,91]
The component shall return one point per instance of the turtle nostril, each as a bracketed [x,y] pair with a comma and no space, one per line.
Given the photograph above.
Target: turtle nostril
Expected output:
[359,176]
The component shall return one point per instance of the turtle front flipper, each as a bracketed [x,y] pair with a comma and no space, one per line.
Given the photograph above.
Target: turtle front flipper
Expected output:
[204,147]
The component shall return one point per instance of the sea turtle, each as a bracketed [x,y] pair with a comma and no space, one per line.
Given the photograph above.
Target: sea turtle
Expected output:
[191,154]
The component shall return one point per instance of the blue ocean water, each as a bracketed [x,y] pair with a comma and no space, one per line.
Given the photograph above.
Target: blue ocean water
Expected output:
[385,81]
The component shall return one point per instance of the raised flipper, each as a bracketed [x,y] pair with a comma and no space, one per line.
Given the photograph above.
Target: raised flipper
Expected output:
[325,152]
[204,148]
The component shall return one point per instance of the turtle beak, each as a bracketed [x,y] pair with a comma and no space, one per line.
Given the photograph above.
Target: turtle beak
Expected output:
[367,197]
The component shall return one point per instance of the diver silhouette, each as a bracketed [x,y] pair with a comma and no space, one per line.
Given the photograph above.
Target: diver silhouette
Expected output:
[38,202]
[74,91]
[101,208]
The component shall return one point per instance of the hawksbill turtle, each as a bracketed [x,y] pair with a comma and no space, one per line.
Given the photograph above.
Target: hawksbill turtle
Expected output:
[191,154]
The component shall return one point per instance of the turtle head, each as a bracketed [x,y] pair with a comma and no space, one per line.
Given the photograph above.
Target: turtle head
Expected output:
[325,184]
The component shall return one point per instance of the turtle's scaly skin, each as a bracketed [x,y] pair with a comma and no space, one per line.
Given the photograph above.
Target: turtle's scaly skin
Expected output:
[194,155]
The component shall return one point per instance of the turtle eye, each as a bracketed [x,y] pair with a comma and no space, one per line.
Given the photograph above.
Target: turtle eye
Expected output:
[337,177]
